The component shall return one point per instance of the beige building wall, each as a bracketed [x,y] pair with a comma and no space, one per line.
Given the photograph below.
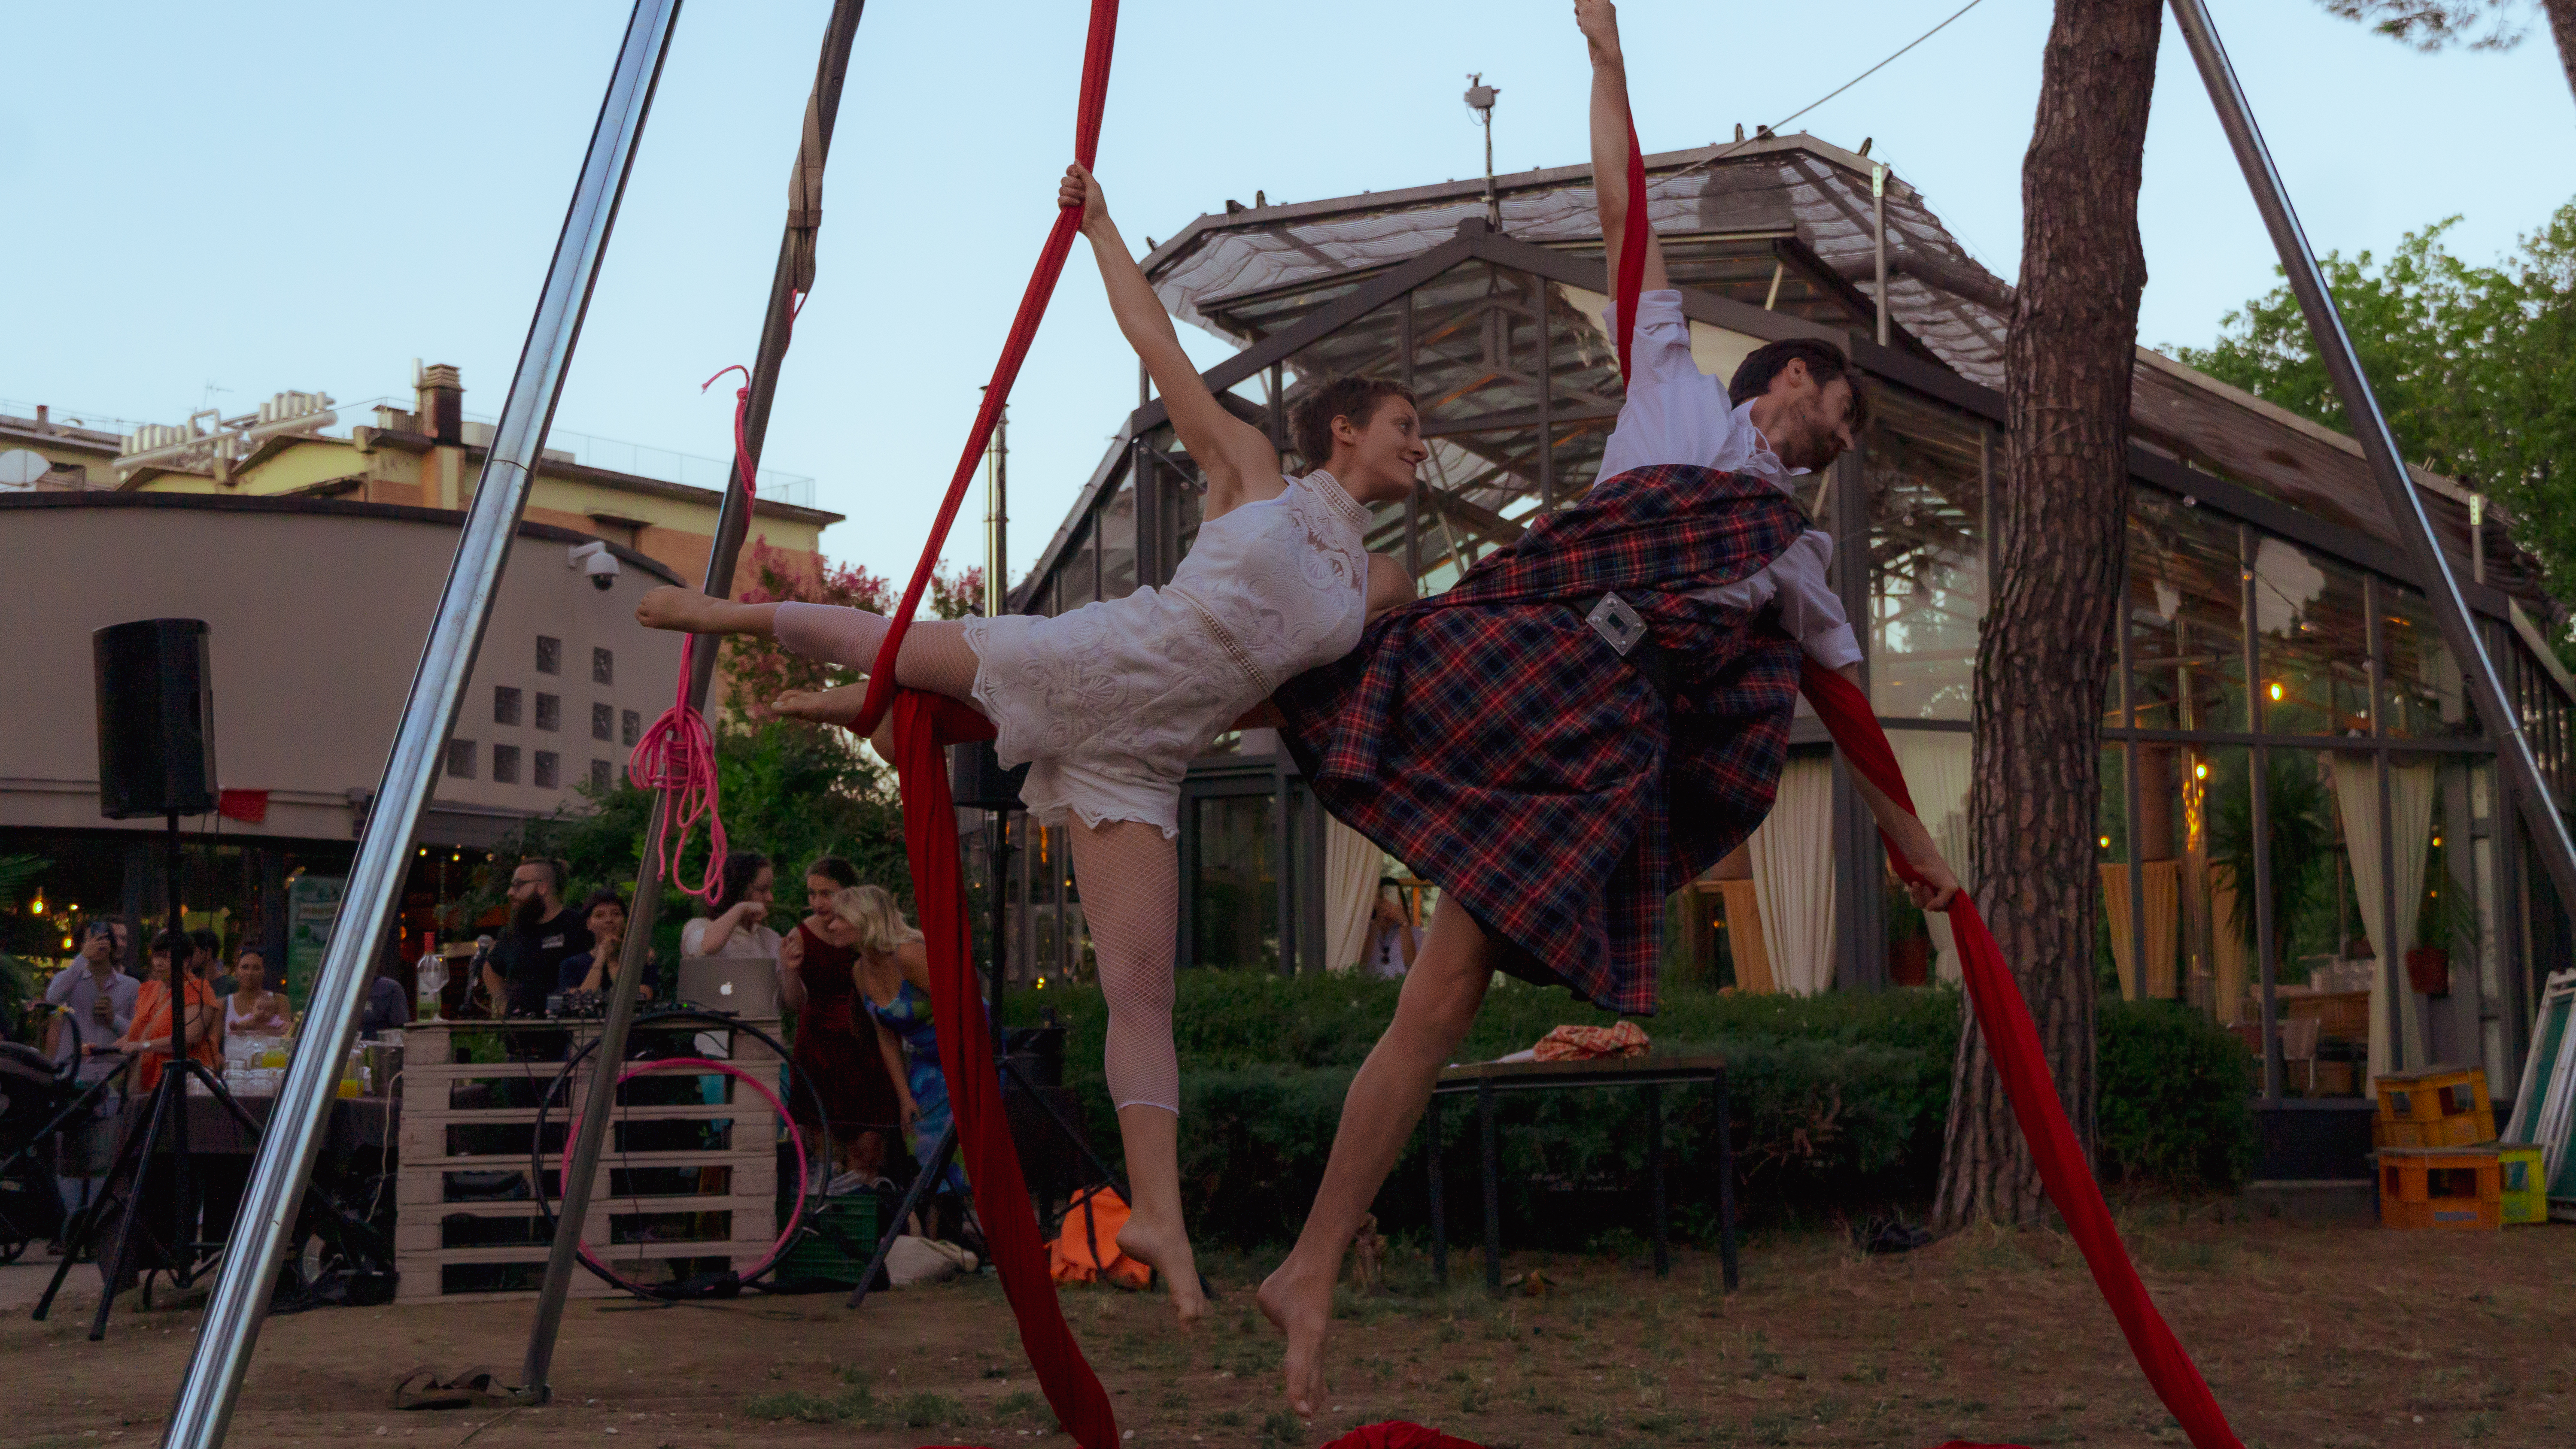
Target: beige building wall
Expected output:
[318,610]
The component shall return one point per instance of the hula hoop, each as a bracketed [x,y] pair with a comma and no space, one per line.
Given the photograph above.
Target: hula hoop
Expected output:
[740,1074]
[561,1083]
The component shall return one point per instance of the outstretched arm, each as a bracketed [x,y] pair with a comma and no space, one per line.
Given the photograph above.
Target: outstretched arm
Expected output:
[1240,464]
[1909,837]
[1599,22]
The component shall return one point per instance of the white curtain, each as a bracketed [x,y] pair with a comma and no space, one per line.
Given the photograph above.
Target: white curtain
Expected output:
[1793,878]
[1351,871]
[2410,829]
[1936,775]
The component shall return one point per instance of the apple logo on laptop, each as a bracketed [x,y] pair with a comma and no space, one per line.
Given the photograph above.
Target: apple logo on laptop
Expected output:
[725,990]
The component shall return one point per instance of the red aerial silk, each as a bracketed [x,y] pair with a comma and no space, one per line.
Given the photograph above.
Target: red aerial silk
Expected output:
[2003,1018]
[1024,330]
[923,725]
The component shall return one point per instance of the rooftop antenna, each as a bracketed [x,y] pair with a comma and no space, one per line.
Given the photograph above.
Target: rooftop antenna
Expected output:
[1480,99]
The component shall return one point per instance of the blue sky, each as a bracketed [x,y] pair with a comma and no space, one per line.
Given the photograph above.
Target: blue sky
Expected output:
[310,196]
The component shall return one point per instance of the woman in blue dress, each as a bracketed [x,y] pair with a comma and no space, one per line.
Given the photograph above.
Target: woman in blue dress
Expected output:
[892,973]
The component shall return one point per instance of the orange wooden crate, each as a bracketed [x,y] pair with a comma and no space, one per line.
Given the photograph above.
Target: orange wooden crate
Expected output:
[2449,1188]
[2440,1107]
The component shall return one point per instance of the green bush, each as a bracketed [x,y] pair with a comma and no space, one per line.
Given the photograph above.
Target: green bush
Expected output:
[2175,1088]
[1837,1103]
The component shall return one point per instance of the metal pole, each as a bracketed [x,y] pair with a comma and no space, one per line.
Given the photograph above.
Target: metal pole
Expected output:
[1878,211]
[2379,446]
[733,523]
[285,1160]
[997,517]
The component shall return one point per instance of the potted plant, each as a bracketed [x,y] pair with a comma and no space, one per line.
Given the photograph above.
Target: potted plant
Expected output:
[1909,944]
[2446,917]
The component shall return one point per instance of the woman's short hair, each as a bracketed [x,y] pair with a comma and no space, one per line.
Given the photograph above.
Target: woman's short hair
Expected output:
[871,912]
[604,896]
[741,868]
[1356,398]
[834,869]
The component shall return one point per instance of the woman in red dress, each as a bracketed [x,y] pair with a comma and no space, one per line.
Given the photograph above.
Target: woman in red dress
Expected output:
[846,1069]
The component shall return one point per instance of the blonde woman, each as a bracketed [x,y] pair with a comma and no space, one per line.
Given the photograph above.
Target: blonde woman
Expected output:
[892,973]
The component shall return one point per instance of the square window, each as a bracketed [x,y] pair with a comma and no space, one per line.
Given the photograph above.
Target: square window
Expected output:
[603,667]
[603,722]
[630,728]
[550,711]
[603,776]
[549,770]
[460,759]
[505,704]
[505,764]
[549,655]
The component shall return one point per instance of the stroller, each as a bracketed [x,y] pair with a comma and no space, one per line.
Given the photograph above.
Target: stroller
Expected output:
[32,1094]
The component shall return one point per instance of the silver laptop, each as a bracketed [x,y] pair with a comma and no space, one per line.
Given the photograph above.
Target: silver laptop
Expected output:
[743,985]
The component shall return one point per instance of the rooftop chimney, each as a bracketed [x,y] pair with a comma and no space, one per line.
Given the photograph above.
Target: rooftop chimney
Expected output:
[440,403]
[44,419]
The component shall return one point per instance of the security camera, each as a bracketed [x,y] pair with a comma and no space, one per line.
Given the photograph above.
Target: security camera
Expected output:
[595,560]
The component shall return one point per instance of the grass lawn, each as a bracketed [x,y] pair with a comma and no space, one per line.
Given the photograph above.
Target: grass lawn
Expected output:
[2310,1336]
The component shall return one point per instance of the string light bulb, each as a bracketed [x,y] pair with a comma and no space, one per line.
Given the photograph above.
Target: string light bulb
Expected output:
[2276,692]
[2200,770]
[2106,842]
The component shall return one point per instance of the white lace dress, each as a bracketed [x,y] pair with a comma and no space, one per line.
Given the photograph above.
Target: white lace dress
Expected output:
[1111,702]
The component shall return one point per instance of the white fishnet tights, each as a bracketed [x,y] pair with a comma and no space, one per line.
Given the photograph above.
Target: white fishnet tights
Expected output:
[1130,879]
[934,657]
[1128,871]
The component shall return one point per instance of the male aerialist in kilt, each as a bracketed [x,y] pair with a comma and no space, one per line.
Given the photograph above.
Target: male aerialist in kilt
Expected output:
[1588,720]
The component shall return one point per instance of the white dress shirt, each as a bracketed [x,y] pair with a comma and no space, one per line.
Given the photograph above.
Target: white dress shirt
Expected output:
[1675,413]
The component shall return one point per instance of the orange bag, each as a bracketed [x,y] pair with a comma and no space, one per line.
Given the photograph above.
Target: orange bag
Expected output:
[1086,1247]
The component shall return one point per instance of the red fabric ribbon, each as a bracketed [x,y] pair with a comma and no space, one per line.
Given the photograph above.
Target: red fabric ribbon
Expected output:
[1024,330]
[1632,250]
[2003,1017]
[924,724]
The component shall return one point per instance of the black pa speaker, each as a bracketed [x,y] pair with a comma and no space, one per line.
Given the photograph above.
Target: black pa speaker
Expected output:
[156,718]
[977,781]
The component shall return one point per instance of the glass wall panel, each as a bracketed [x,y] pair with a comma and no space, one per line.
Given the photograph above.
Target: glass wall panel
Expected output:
[1234,881]
[2186,638]
[2313,642]
[1924,468]
[2427,697]
[1077,578]
[1116,528]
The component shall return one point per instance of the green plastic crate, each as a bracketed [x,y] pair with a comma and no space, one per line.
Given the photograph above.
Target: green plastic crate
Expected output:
[838,1238]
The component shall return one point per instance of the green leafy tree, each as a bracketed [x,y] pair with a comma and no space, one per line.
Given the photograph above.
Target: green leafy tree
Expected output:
[2475,367]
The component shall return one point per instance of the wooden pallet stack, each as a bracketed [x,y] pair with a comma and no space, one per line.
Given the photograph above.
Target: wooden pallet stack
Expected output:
[683,1179]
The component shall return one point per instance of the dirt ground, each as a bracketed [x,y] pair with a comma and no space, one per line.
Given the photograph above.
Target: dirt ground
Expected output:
[2310,1336]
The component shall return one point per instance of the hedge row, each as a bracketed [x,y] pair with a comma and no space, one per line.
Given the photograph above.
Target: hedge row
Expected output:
[1837,1104]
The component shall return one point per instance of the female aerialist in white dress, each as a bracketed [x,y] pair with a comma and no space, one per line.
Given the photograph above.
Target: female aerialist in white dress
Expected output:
[1109,703]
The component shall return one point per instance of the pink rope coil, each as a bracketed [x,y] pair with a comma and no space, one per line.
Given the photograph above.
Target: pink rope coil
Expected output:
[677,756]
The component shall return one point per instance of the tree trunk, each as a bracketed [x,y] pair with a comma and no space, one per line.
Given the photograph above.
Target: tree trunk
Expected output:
[2562,24]
[2045,654]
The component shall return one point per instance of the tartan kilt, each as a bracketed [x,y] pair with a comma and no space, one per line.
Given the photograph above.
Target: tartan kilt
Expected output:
[1493,742]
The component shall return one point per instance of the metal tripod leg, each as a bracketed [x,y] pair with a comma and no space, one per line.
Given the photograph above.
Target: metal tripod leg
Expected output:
[931,1172]
[140,1149]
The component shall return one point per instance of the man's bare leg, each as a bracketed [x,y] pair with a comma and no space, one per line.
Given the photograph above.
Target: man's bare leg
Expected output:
[1438,1004]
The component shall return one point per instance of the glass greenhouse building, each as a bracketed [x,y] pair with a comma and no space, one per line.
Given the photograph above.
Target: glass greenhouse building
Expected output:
[2278,648]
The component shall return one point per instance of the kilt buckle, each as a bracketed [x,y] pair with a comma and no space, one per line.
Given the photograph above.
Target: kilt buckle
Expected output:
[1617,623]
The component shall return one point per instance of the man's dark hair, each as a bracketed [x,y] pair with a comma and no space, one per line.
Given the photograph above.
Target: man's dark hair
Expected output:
[741,868]
[554,869]
[1356,398]
[834,869]
[208,945]
[604,896]
[1825,362]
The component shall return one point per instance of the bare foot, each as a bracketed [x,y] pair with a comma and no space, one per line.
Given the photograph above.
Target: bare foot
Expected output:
[671,607]
[1301,1304]
[1168,1250]
[835,706]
